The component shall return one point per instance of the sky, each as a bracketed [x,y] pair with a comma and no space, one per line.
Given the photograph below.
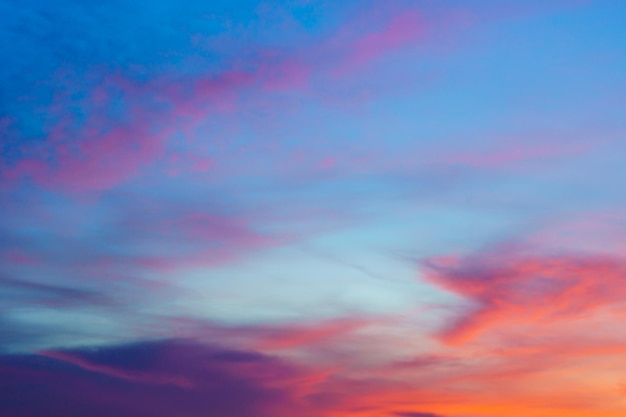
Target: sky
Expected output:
[315,208]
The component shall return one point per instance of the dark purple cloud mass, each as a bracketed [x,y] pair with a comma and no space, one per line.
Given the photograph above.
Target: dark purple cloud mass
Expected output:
[165,378]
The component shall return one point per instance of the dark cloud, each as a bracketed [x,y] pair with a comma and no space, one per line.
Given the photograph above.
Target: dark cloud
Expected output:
[141,380]
[415,414]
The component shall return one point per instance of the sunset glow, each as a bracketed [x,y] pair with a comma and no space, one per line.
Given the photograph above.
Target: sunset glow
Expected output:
[313,208]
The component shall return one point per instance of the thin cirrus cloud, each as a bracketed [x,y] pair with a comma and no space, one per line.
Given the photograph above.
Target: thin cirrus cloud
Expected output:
[104,150]
[147,235]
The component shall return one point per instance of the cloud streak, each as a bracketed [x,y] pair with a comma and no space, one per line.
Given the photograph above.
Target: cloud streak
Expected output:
[506,289]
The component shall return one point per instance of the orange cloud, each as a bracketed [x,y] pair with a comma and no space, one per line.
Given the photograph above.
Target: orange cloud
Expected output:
[506,289]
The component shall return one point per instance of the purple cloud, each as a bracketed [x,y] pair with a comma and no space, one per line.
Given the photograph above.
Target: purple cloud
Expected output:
[506,287]
[155,378]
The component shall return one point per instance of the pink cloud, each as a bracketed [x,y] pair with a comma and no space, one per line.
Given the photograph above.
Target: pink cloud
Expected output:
[305,336]
[515,155]
[166,112]
[134,376]
[104,152]
[204,239]
[289,75]
[20,257]
[598,232]
[406,28]
[506,289]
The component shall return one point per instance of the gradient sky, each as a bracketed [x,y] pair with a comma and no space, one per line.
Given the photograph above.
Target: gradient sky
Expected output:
[313,208]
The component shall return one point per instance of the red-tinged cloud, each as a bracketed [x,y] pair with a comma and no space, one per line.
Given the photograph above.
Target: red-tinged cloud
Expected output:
[288,76]
[516,155]
[135,376]
[194,239]
[128,128]
[600,232]
[103,152]
[518,151]
[402,30]
[19,257]
[294,336]
[506,289]
[304,336]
